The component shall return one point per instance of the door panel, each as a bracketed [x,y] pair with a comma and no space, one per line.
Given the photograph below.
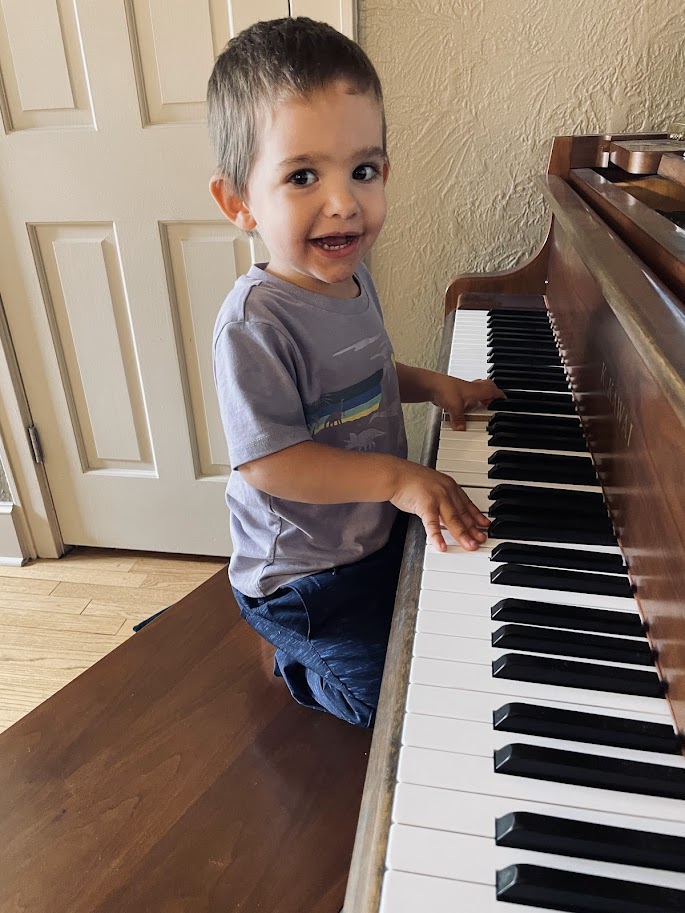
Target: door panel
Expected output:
[114,260]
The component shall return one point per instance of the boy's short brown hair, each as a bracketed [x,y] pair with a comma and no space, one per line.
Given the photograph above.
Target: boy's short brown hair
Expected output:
[265,63]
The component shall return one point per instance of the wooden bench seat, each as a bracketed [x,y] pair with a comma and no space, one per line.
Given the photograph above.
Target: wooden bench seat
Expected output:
[177,775]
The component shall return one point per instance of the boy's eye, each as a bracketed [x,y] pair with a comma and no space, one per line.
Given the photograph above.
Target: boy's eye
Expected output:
[365,172]
[302,178]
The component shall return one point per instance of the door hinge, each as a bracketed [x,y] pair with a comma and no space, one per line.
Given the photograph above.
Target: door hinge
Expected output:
[35,444]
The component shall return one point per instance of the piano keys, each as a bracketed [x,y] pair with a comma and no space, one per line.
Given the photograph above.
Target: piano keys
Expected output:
[525,751]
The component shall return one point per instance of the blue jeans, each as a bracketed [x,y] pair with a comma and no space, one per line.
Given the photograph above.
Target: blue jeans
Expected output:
[331,631]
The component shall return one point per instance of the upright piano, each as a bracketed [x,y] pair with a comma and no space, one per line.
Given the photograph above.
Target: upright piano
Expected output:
[527,751]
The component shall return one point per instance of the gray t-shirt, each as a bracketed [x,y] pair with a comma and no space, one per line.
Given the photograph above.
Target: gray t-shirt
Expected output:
[293,366]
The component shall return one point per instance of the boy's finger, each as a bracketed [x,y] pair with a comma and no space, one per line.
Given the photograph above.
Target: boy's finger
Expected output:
[434,534]
[484,391]
[458,521]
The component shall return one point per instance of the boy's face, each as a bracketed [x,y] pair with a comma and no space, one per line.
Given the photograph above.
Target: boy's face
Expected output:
[316,192]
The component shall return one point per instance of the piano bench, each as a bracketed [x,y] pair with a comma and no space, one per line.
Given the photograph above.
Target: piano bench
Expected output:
[178,774]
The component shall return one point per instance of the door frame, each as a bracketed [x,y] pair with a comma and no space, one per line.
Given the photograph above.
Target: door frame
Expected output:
[31,524]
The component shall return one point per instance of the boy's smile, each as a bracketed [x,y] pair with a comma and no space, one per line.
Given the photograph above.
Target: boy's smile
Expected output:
[316,191]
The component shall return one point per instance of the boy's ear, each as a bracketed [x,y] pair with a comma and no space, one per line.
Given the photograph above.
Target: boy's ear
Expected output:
[233,207]
[386,171]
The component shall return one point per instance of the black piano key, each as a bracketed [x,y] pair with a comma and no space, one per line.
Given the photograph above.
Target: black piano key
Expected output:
[526,368]
[557,399]
[523,324]
[511,336]
[546,520]
[516,403]
[540,367]
[521,312]
[567,643]
[556,499]
[572,674]
[575,618]
[579,769]
[555,889]
[529,532]
[526,321]
[512,469]
[577,726]
[572,558]
[511,340]
[501,424]
[587,840]
[535,371]
[542,362]
[542,468]
[581,463]
[509,382]
[538,424]
[578,464]
[545,578]
[533,442]
[540,352]
[530,315]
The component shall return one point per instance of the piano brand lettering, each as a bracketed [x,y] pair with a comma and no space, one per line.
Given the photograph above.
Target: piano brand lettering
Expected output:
[617,407]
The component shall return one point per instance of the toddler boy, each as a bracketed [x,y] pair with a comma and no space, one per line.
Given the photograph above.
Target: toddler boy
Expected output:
[308,386]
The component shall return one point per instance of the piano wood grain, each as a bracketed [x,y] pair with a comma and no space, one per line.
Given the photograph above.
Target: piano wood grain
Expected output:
[630,384]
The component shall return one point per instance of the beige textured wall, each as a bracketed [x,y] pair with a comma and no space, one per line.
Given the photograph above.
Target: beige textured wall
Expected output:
[475,90]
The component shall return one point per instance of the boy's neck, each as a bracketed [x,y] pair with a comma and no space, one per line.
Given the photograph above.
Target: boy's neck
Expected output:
[344,290]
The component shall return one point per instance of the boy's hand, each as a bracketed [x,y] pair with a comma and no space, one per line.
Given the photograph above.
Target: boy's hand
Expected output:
[434,497]
[457,396]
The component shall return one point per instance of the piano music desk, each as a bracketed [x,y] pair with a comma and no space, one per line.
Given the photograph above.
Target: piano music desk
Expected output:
[177,774]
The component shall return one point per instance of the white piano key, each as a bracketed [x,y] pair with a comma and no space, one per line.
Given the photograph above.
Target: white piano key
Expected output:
[469,813]
[486,547]
[480,498]
[487,413]
[450,625]
[465,464]
[460,561]
[470,604]
[466,478]
[476,432]
[460,772]
[480,739]
[468,440]
[408,893]
[442,673]
[446,602]
[463,857]
[446,624]
[482,653]
[478,706]
[479,585]
[450,457]
[476,429]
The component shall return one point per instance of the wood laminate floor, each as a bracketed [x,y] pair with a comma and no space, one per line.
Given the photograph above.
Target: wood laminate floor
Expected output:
[59,617]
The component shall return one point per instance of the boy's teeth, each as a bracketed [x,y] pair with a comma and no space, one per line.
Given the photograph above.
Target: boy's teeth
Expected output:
[333,243]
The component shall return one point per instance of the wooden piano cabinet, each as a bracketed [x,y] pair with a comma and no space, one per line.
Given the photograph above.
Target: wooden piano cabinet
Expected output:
[631,209]
[628,372]
[177,774]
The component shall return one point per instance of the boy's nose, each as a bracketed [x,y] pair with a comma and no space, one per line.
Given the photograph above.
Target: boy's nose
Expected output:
[341,201]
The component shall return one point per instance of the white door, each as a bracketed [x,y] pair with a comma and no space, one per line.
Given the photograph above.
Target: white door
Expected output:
[114,260]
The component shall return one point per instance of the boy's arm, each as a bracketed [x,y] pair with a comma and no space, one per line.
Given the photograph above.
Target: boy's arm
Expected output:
[455,396]
[318,474]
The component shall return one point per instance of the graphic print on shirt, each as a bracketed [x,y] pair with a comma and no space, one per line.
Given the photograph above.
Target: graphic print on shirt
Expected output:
[347,405]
